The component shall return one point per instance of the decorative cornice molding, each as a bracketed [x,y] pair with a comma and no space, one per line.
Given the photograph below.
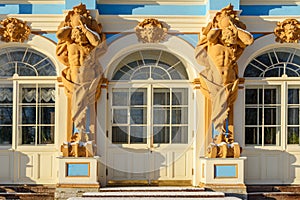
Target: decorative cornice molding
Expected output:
[154,2]
[269,2]
[32,2]
[123,23]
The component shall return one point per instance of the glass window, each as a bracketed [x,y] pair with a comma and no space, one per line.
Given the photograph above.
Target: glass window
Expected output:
[262,116]
[35,103]
[150,114]
[265,114]
[150,64]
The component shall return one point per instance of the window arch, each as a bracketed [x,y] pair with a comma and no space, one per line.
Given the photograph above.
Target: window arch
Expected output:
[152,111]
[150,64]
[272,106]
[275,62]
[34,104]
[25,61]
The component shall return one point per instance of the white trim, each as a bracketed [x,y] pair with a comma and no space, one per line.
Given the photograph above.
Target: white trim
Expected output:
[269,2]
[154,2]
[32,2]
[125,45]
[259,46]
[124,23]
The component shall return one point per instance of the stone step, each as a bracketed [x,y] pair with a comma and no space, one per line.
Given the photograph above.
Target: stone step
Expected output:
[152,198]
[151,188]
[174,194]
[274,195]
[26,196]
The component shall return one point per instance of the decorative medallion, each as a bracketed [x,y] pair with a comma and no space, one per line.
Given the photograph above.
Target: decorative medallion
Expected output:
[14,30]
[287,31]
[151,31]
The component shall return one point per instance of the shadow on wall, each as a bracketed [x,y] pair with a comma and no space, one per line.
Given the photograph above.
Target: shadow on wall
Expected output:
[264,167]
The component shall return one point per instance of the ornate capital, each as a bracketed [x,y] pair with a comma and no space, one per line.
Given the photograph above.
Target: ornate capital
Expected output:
[151,31]
[287,31]
[14,30]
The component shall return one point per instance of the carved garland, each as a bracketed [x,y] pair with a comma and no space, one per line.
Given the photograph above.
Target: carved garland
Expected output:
[14,30]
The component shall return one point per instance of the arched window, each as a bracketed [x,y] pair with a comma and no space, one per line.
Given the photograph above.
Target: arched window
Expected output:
[150,64]
[151,109]
[28,97]
[272,98]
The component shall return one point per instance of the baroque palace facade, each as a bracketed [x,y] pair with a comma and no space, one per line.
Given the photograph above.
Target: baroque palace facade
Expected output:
[151,122]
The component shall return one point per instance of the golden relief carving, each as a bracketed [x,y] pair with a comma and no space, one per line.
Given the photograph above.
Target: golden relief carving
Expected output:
[287,31]
[151,31]
[221,44]
[14,30]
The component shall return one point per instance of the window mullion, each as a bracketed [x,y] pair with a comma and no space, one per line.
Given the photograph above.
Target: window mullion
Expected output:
[15,128]
[36,114]
[284,114]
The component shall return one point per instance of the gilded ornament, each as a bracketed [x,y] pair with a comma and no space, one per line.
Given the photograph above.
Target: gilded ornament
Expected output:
[151,31]
[287,31]
[14,30]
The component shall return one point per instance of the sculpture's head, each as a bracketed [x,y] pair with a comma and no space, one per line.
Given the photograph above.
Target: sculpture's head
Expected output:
[78,36]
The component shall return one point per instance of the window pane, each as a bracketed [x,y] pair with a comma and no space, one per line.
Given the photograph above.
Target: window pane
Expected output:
[270,135]
[161,97]
[119,134]
[161,115]
[180,135]
[161,134]
[293,135]
[47,115]
[138,115]
[251,96]
[5,135]
[120,116]
[270,96]
[28,95]
[179,115]
[271,116]
[293,116]
[120,98]
[251,116]
[139,97]
[138,134]
[28,134]
[46,94]
[28,115]
[180,96]
[253,135]
[293,96]
[46,135]
[6,114]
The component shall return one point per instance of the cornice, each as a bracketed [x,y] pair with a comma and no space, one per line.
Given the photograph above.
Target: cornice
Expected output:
[154,2]
[32,2]
[125,23]
[269,2]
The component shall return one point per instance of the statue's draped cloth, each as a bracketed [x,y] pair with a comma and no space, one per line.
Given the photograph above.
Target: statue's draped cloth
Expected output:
[221,96]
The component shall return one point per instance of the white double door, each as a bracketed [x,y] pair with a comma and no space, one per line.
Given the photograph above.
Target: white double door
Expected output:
[149,136]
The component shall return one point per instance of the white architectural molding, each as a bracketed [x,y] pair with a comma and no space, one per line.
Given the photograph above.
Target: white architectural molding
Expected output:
[125,23]
[269,2]
[32,2]
[154,2]
[129,43]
